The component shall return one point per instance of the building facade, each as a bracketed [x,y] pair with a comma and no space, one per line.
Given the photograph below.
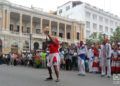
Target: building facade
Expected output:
[21,28]
[95,19]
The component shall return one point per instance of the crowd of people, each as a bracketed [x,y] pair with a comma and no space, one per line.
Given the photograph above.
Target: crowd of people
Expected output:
[34,59]
[101,58]
[96,58]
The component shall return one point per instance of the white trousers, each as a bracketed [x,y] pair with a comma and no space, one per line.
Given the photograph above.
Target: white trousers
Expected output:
[50,59]
[90,65]
[108,67]
[81,66]
[105,63]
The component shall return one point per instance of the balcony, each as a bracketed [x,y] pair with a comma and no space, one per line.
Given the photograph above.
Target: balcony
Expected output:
[25,34]
[14,32]
[36,35]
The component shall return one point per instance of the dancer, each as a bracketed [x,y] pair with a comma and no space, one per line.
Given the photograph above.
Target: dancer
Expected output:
[53,57]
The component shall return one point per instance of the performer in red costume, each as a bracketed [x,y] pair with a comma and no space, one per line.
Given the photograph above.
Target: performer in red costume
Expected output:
[96,60]
[53,57]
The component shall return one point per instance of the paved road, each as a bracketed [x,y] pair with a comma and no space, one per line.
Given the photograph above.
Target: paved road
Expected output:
[24,76]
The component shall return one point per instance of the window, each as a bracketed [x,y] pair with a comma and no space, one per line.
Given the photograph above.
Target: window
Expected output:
[11,27]
[116,24]
[78,35]
[94,26]
[87,33]
[61,35]
[101,19]
[60,11]
[88,14]
[106,29]
[54,33]
[100,28]
[74,4]
[87,24]
[111,22]
[111,30]
[67,8]
[0,22]
[106,21]
[18,28]
[28,29]
[94,17]
[68,35]
[22,29]
[26,45]
[37,31]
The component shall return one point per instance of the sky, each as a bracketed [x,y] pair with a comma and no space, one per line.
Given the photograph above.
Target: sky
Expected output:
[112,6]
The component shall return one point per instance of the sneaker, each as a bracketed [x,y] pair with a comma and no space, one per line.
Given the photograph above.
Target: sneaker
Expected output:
[108,76]
[57,80]
[81,74]
[49,78]
[102,75]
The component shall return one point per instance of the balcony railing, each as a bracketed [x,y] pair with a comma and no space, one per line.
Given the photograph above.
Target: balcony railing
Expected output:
[38,35]
[26,34]
[13,32]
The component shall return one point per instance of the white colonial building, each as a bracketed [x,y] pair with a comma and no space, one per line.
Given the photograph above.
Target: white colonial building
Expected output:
[21,28]
[95,19]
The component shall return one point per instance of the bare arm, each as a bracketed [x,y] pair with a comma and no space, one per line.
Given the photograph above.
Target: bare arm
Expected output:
[53,40]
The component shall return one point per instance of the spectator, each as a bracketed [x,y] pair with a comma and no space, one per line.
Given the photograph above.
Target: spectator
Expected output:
[43,55]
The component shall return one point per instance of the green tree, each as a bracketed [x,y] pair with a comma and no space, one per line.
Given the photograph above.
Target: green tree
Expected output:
[116,35]
[100,38]
[92,39]
[95,37]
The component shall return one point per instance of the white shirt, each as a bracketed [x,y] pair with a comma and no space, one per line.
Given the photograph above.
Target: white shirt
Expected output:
[108,50]
[81,50]
[90,53]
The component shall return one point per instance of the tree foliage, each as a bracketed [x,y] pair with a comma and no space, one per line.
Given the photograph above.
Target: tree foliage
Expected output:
[95,38]
[116,35]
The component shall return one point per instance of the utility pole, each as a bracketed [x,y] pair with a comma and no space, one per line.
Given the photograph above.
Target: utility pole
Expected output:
[30,41]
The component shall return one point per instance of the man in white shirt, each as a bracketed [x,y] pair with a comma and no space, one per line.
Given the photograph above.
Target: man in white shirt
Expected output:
[108,57]
[81,50]
[102,56]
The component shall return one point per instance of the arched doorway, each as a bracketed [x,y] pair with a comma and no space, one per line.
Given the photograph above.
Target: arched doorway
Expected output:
[0,46]
[14,48]
[26,46]
[44,45]
[36,45]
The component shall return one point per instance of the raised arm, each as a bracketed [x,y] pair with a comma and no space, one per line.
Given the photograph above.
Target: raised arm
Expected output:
[54,40]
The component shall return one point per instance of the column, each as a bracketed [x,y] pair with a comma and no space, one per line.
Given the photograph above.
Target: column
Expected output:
[31,25]
[50,32]
[81,32]
[72,33]
[20,24]
[41,27]
[65,33]
[58,29]
[3,19]
[8,21]
[31,31]
[75,37]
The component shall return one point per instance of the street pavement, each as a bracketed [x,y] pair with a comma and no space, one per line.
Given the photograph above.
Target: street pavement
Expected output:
[26,76]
